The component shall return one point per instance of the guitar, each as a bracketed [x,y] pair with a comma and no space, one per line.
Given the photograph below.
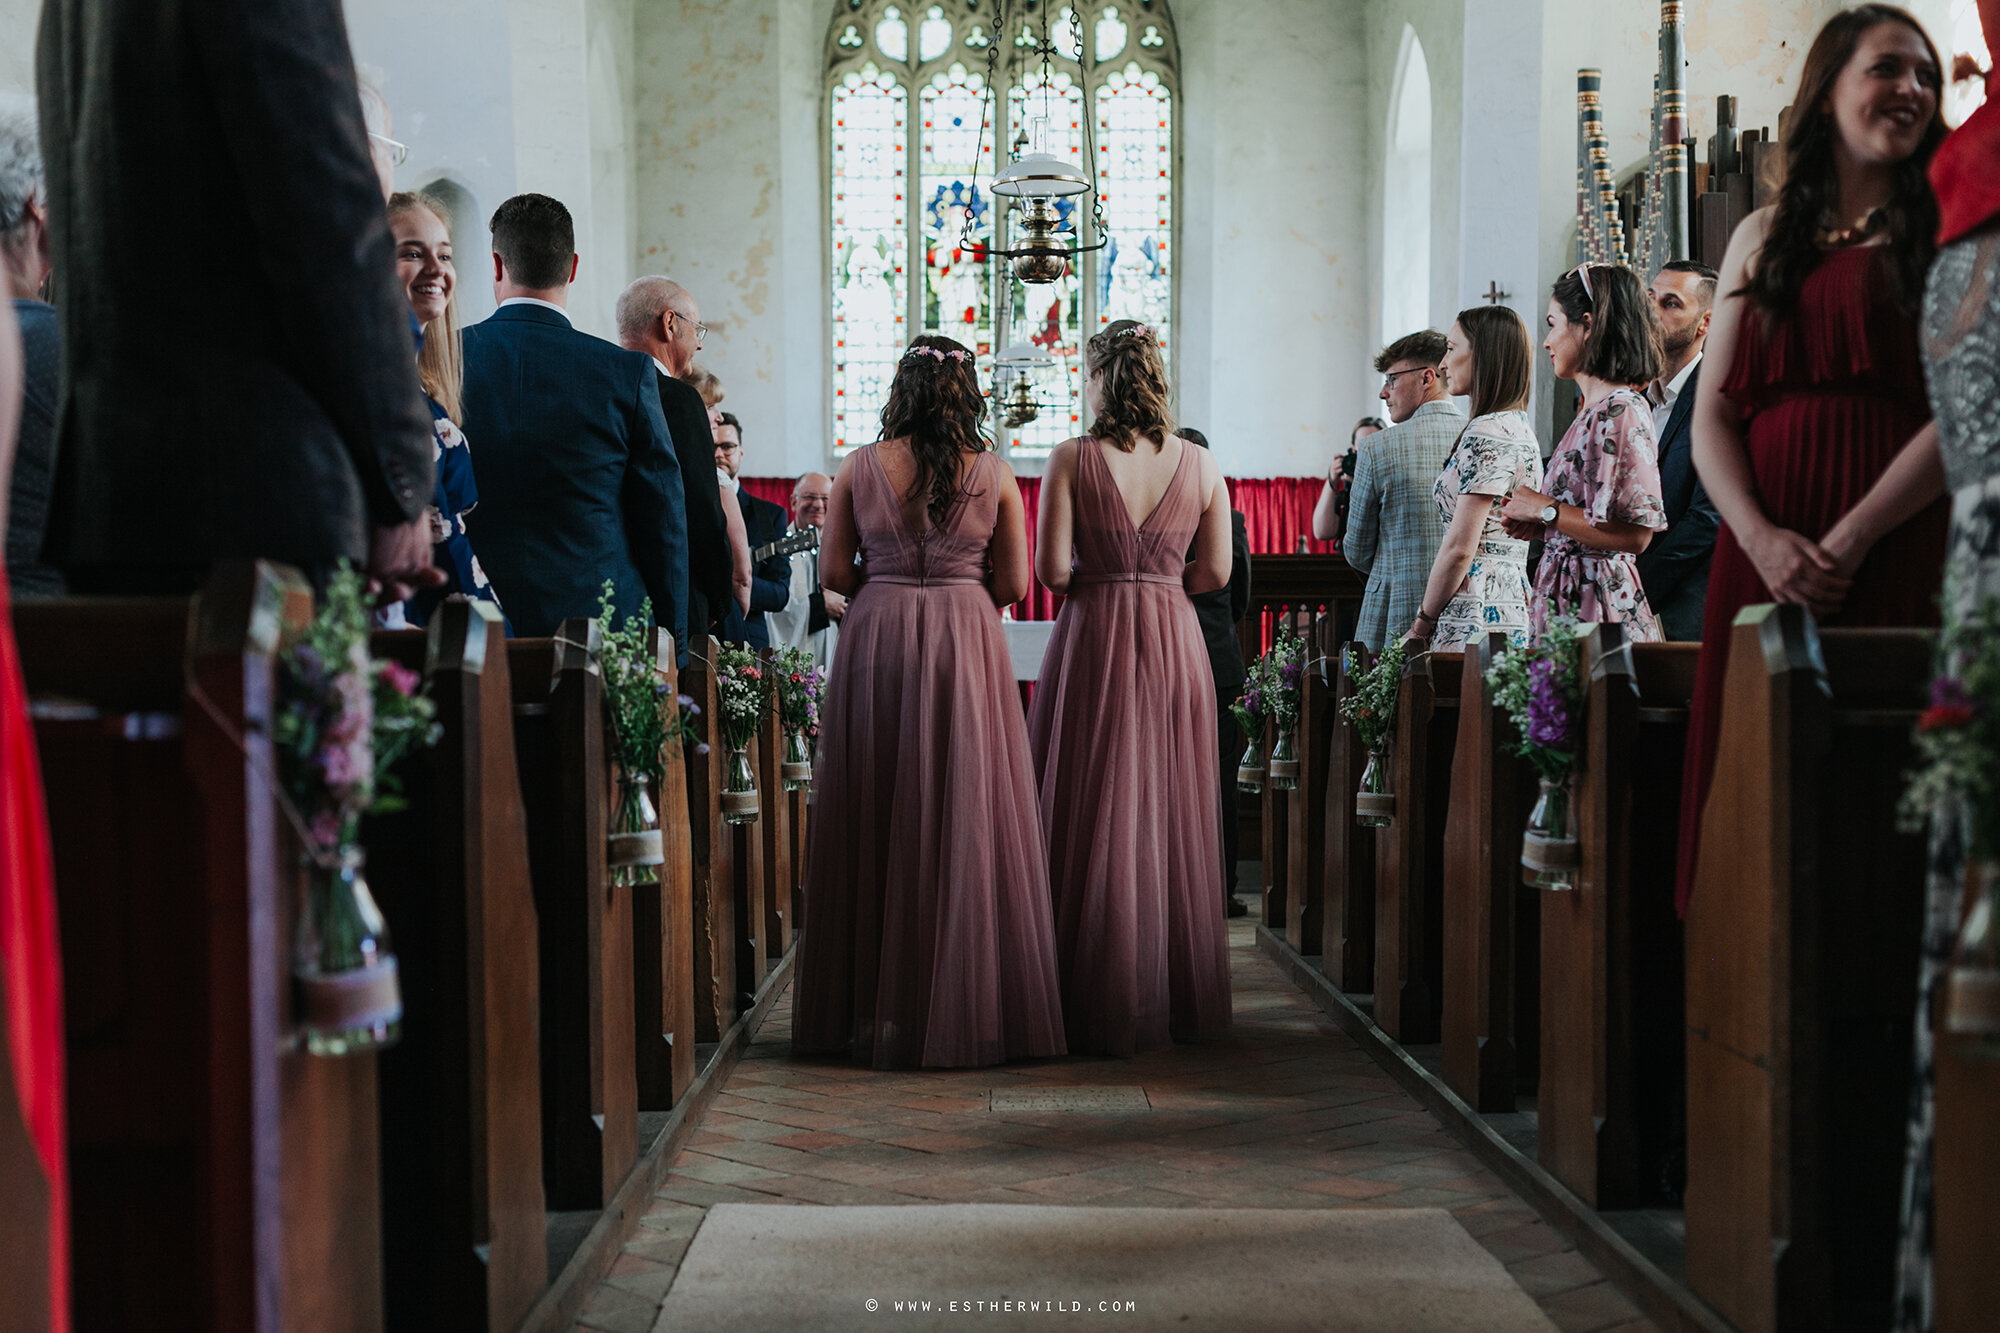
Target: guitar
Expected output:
[805,539]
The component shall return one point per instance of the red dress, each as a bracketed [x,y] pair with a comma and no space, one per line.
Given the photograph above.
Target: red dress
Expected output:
[30,959]
[1829,397]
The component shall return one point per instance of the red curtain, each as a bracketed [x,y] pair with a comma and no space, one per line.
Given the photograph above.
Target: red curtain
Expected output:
[1277,512]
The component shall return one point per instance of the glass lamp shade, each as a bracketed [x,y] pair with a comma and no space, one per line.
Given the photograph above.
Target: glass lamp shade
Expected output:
[1040,176]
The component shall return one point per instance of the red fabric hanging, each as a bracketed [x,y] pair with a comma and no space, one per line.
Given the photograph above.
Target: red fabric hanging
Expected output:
[1966,171]
[30,958]
[1277,511]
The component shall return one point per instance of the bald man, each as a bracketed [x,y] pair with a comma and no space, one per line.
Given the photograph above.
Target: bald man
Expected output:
[660,318]
[811,618]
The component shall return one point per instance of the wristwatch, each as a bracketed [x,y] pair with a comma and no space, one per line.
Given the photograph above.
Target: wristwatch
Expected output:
[1550,513]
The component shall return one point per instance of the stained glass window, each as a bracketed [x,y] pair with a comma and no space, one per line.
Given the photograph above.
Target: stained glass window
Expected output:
[870,247]
[903,180]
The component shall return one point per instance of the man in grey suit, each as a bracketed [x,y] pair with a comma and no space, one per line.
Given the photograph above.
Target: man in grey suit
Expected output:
[284,421]
[1393,528]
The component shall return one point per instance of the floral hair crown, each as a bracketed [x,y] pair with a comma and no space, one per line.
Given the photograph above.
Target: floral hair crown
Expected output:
[1145,331]
[955,354]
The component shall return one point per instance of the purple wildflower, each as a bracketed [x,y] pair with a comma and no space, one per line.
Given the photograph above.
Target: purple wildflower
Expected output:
[1549,717]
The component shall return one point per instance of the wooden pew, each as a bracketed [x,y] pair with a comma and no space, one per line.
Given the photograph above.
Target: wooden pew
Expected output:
[590,1110]
[663,932]
[464,1224]
[753,955]
[1409,854]
[1274,824]
[1490,936]
[774,829]
[1347,888]
[1966,1184]
[1305,827]
[221,1178]
[1802,945]
[714,858]
[1612,1015]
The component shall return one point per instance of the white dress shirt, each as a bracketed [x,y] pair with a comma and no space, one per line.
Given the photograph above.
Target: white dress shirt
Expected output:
[536,300]
[1662,397]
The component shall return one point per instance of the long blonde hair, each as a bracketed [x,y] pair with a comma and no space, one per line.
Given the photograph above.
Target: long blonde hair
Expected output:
[441,364]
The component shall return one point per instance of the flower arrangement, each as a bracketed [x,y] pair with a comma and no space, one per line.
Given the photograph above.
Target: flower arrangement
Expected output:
[1284,671]
[1249,710]
[1540,688]
[742,696]
[799,682]
[642,725]
[1958,736]
[343,721]
[1371,711]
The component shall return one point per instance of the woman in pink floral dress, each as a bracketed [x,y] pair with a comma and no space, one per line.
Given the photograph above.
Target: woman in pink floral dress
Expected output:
[1603,503]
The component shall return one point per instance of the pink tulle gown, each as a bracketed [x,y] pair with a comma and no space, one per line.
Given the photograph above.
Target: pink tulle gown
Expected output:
[928,937]
[1123,729]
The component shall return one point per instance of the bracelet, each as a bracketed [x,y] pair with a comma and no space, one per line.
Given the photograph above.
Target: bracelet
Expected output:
[1425,615]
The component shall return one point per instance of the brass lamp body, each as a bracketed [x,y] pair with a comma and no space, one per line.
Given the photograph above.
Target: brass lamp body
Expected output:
[1047,257]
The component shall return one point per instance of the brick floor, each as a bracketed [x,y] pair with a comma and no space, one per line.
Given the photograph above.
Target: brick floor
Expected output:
[1287,1113]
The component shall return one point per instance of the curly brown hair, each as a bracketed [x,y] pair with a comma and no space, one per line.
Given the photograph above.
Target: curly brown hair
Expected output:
[936,404]
[1138,404]
[1810,187]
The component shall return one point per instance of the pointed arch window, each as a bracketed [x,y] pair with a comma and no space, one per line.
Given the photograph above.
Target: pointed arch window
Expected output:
[907,157]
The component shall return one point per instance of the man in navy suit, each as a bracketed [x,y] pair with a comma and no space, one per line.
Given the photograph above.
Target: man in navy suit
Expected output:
[1674,566]
[578,480]
[764,522]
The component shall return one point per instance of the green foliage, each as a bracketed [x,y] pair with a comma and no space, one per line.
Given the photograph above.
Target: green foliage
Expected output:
[1540,689]
[1958,736]
[1371,709]
[643,718]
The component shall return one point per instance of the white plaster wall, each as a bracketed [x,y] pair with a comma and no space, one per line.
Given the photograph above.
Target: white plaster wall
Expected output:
[1274,302]
[728,203]
[17,46]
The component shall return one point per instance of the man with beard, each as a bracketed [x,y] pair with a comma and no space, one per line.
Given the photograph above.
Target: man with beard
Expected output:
[1674,566]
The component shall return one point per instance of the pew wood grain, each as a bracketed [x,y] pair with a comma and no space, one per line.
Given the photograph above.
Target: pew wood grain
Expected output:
[1347,894]
[1305,854]
[1409,854]
[714,859]
[663,928]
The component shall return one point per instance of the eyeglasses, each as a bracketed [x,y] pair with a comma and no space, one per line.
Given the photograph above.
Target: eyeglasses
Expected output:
[399,153]
[700,329]
[1389,380]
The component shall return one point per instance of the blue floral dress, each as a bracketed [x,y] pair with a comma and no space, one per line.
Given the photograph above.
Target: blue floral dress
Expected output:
[456,495]
[1496,453]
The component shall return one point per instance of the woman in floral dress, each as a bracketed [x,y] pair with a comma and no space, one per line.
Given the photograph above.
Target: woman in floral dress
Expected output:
[1603,503]
[1479,580]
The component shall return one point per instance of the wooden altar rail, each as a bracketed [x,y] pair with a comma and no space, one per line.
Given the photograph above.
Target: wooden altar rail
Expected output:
[464,1217]
[221,1178]
[1802,944]
[1612,1020]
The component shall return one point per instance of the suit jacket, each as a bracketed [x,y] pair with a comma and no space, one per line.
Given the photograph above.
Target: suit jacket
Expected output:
[1393,527]
[1673,568]
[1219,612]
[28,575]
[281,420]
[709,591]
[770,578]
[578,479]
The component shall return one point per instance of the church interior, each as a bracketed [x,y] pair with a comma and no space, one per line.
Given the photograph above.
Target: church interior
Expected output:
[1504,1053]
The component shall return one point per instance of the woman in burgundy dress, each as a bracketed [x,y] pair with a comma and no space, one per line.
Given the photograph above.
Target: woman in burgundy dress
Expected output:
[928,938]
[1124,715]
[1816,323]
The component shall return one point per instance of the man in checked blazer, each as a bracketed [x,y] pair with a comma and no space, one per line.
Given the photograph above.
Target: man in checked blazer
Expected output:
[1393,528]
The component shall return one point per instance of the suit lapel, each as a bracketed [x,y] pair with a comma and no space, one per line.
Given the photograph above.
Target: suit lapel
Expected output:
[1677,419]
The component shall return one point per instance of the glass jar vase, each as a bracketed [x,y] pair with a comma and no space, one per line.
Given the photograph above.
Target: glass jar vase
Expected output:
[1250,770]
[1374,803]
[739,788]
[1549,853]
[1284,769]
[637,850]
[349,997]
[797,769]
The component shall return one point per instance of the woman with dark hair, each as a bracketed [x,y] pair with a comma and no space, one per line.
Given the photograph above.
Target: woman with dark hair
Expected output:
[1123,725]
[1329,519]
[1822,387]
[1603,503]
[931,940]
[1479,580]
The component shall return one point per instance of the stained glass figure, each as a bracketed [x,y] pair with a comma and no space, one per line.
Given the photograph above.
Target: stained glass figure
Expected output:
[1050,316]
[1135,179]
[958,276]
[870,248]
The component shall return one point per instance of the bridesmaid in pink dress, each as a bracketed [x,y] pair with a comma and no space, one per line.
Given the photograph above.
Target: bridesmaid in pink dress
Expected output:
[1123,723]
[928,937]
